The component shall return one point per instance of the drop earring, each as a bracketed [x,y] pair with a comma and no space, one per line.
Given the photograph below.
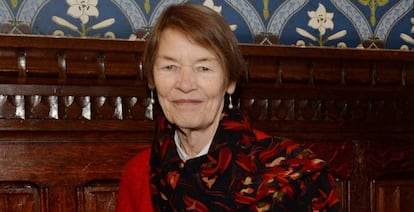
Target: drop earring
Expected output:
[230,102]
[149,111]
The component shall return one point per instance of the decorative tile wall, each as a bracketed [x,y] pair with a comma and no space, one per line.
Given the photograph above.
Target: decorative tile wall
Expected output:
[336,23]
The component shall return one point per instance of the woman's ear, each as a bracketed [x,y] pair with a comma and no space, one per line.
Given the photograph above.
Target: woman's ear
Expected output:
[231,88]
[150,84]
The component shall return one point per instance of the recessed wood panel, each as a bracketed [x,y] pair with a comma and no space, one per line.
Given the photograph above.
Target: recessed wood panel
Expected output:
[394,195]
[42,63]
[296,70]
[19,196]
[328,71]
[100,196]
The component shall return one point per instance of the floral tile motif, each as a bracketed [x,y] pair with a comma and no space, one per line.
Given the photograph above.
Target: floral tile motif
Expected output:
[333,23]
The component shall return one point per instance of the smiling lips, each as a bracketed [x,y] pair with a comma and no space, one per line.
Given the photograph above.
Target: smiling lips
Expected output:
[186,102]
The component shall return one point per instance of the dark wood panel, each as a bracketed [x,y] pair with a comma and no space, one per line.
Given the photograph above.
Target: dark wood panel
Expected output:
[72,114]
[19,196]
[391,159]
[74,163]
[60,198]
[100,196]
[393,195]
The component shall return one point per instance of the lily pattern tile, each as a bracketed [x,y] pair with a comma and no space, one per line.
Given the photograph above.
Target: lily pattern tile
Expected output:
[334,23]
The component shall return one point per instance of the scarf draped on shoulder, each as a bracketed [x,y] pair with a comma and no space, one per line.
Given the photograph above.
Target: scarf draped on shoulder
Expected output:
[245,169]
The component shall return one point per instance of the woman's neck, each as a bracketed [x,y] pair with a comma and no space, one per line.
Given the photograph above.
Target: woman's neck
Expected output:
[193,141]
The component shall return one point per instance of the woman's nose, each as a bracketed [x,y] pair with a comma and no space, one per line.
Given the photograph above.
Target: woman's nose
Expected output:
[185,80]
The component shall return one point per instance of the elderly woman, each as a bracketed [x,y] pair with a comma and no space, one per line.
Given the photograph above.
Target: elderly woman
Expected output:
[205,155]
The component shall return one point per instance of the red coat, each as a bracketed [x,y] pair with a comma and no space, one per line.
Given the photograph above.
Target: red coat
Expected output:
[244,169]
[134,191]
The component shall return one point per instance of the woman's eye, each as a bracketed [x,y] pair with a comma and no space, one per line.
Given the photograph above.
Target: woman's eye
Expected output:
[203,68]
[169,67]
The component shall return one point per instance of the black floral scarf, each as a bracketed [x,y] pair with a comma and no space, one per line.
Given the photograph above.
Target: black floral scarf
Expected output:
[244,170]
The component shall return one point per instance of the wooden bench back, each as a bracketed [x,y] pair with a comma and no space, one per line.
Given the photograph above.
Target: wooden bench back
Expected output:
[72,114]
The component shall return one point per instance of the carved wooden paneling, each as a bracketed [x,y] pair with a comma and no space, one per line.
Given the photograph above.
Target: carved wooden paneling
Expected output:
[262,69]
[58,159]
[26,197]
[327,72]
[19,197]
[394,195]
[122,65]
[357,72]
[408,74]
[8,62]
[42,108]
[294,70]
[342,189]
[99,196]
[60,198]
[391,159]
[41,63]
[72,114]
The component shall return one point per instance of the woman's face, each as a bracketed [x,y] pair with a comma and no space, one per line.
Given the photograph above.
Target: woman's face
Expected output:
[190,82]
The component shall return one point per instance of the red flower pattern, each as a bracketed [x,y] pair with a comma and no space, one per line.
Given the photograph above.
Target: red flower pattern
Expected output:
[245,169]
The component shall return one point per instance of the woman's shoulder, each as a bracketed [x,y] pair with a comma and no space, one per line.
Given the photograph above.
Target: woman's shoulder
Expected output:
[143,154]
[134,192]
[282,143]
[260,135]
[280,149]
[139,162]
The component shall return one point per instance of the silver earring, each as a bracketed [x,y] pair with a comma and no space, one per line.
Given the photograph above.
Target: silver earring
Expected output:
[230,103]
[149,111]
